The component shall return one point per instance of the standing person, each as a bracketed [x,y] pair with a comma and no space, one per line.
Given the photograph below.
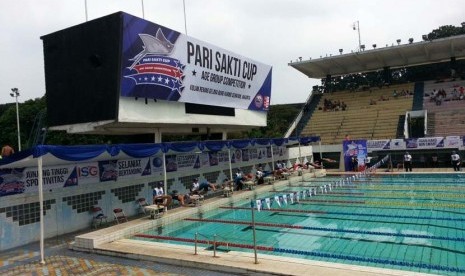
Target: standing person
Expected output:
[7,151]
[455,160]
[354,163]
[407,162]
[434,160]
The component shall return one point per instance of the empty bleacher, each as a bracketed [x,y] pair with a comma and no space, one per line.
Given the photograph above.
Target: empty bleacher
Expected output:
[448,118]
[360,120]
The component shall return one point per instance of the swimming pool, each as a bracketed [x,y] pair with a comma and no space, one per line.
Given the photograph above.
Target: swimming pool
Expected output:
[409,222]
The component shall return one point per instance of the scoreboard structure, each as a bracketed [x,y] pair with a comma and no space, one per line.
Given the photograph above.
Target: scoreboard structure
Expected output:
[120,74]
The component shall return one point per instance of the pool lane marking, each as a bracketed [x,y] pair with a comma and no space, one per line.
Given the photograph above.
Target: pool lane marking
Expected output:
[343,213]
[334,193]
[333,201]
[407,187]
[387,203]
[337,256]
[324,229]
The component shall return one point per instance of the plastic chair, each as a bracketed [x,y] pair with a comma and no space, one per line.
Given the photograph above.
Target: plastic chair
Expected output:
[142,204]
[120,216]
[99,218]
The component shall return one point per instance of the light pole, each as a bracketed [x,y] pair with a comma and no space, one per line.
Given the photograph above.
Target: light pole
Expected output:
[15,94]
[357,27]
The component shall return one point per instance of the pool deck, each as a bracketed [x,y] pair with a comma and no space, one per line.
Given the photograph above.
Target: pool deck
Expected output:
[113,241]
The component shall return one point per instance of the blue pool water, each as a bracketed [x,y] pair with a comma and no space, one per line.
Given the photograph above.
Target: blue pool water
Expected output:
[409,222]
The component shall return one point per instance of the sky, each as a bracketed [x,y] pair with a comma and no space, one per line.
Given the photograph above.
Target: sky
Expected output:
[273,32]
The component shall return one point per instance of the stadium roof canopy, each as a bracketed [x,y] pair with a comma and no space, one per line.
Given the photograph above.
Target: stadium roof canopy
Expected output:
[425,52]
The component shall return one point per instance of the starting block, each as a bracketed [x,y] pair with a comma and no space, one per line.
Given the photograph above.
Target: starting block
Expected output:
[156,211]
[196,200]
[268,179]
[249,184]
[285,175]
[227,192]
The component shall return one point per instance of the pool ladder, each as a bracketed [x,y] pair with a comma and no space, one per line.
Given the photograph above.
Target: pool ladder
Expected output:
[214,242]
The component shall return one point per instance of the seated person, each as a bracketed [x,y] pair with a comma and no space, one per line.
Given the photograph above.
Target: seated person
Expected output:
[329,160]
[259,176]
[314,165]
[164,201]
[198,188]
[158,193]
[239,180]
[178,197]
[227,184]
[284,167]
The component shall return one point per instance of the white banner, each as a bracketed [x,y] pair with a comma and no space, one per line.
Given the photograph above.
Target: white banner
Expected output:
[452,142]
[430,142]
[378,144]
[160,63]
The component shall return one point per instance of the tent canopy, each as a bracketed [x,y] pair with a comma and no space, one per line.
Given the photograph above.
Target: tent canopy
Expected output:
[55,155]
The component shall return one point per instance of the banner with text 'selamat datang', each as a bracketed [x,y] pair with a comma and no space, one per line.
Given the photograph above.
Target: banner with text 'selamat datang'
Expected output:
[159,63]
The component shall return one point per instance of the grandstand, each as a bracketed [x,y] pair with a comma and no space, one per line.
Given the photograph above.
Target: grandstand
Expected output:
[361,119]
[373,111]
[448,117]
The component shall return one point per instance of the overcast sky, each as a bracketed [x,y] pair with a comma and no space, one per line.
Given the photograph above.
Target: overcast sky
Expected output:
[273,32]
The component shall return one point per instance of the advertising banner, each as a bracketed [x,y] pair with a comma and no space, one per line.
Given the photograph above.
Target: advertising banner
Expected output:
[133,168]
[397,144]
[354,148]
[378,145]
[452,142]
[159,63]
[26,180]
[157,165]
[183,162]
[430,142]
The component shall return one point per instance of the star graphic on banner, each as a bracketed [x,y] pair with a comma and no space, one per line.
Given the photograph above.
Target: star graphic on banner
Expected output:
[145,78]
[193,73]
[160,78]
[153,78]
[167,81]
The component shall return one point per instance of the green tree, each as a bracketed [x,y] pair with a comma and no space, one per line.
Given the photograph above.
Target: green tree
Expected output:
[445,31]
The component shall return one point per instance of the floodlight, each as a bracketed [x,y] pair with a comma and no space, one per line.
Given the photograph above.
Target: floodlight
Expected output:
[340,51]
[410,40]
[398,41]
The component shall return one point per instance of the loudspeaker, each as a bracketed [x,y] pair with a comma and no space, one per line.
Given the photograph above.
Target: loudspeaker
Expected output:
[82,72]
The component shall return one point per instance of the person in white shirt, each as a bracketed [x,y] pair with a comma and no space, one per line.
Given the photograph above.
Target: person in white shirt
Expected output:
[199,187]
[455,160]
[407,162]
[259,176]
[158,192]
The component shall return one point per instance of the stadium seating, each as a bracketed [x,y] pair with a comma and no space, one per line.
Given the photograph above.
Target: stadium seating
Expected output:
[448,118]
[361,120]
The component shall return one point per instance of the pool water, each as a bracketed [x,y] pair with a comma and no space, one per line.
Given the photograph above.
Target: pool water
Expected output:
[409,222]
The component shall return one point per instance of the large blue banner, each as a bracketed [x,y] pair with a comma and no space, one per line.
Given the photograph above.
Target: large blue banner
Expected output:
[354,149]
[162,64]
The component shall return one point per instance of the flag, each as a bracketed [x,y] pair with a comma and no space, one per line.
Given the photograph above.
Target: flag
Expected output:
[268,202]
[291,197]
[284,198]
[276,198]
